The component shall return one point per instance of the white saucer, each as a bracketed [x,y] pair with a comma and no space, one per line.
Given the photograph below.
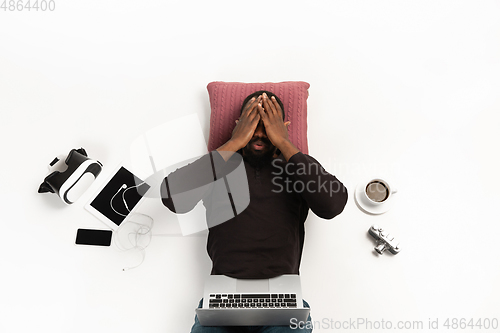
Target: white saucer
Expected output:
[366,207]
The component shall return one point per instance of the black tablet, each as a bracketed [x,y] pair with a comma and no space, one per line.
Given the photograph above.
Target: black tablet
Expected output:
[118,197]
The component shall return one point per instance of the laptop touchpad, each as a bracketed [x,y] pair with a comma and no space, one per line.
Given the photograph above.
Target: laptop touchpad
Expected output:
[252,286]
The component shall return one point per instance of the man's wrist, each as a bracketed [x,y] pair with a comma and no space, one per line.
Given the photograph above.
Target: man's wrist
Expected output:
[228,149]
[287,148]
[232,145]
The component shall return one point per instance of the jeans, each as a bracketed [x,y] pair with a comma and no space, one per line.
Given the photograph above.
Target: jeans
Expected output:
[197,328]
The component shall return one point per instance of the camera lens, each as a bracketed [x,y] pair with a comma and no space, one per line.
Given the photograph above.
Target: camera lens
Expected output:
[380,248]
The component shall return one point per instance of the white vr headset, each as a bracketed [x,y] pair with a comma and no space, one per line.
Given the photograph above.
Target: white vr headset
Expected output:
[71,177]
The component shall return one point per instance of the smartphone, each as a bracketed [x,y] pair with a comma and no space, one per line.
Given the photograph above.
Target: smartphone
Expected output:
[93,237]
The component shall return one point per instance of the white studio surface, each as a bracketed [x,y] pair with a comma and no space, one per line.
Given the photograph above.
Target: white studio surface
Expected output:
[403,90]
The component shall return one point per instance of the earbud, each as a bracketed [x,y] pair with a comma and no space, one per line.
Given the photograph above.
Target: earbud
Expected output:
[124,186]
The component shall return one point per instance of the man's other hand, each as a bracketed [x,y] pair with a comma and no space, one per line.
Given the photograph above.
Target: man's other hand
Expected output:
[272,117]
[276,129]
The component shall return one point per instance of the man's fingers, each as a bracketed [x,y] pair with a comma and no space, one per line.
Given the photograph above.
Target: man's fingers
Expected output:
[248,105]
[252,113]
[268,106]
[253,123]
[274,107]
[256,120]
[267,118]
[263,114]
[249,113]
[252,103]
[277,106]
[252,117]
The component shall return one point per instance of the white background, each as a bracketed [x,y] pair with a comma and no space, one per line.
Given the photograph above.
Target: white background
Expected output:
[406,90]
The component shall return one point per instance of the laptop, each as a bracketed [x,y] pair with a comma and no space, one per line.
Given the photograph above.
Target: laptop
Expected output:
[251,302]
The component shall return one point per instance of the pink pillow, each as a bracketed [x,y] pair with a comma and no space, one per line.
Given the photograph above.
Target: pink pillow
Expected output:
[226,99]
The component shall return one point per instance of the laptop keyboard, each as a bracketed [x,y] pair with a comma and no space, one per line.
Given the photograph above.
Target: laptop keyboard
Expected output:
[261,301]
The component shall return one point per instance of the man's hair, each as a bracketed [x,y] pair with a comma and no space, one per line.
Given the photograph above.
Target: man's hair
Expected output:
[269,94]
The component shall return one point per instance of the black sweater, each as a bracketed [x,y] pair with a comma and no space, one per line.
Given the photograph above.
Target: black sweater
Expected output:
[266,237]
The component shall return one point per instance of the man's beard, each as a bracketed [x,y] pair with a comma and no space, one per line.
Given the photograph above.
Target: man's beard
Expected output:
[259,159]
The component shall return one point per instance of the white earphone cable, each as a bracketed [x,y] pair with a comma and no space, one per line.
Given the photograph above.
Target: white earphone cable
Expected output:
[137,236]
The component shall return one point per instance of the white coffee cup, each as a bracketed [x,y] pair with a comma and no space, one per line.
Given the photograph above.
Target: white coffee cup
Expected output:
[377,191]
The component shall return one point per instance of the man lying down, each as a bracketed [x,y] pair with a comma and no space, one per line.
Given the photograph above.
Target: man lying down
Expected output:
[261,236]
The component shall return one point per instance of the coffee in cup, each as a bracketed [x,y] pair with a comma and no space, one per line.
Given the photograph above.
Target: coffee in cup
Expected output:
[378,191]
